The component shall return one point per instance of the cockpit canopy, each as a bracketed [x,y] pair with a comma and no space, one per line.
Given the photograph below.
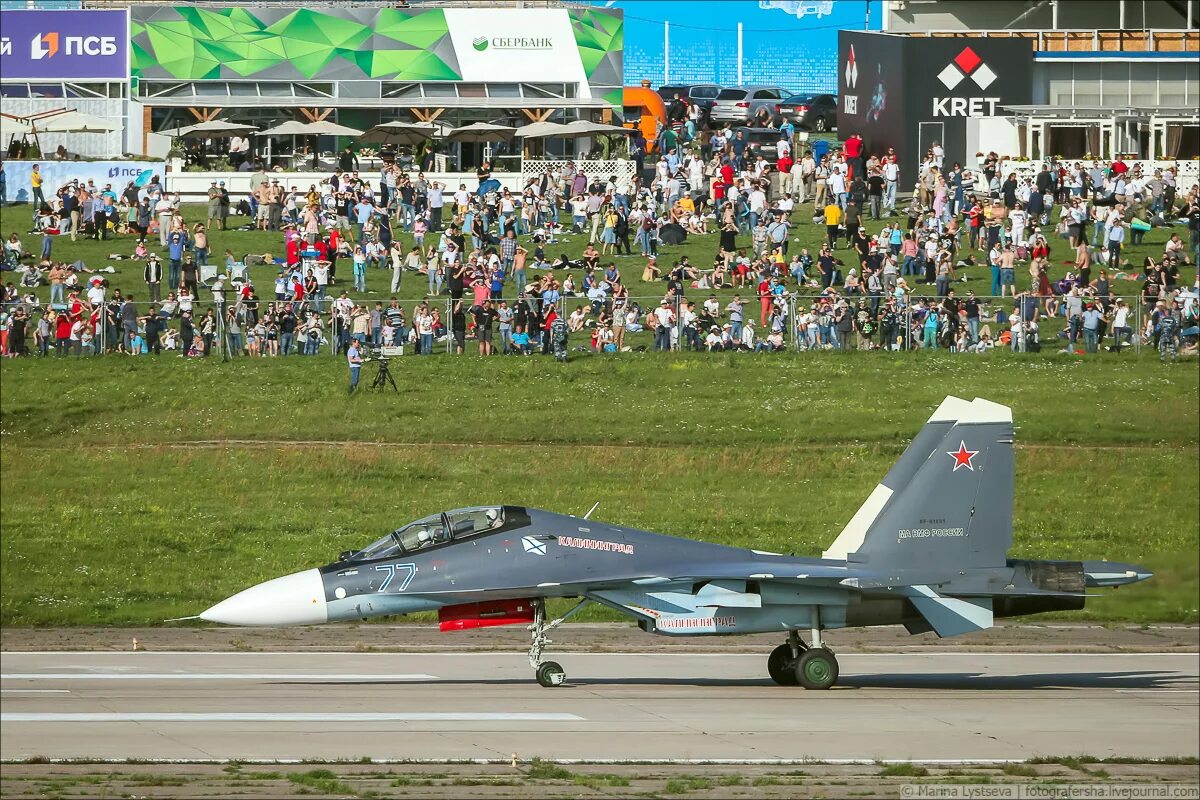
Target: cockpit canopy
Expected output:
[438,529]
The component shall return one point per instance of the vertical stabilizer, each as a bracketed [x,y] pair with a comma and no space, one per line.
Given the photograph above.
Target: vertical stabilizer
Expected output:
[947,502]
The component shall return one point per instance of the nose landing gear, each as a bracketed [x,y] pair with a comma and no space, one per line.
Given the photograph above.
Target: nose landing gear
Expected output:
[547,673]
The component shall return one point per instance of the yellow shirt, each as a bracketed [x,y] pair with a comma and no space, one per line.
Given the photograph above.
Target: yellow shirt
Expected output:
[687,205]
[833,214]
[36,180]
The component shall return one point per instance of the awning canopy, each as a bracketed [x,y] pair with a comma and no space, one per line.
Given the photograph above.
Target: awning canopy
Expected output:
[1103,112]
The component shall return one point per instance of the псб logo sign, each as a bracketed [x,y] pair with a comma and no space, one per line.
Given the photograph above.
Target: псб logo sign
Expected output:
[44,45]
[967,64]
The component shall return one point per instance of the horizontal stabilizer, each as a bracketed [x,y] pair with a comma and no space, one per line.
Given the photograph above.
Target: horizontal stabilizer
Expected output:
[951,616]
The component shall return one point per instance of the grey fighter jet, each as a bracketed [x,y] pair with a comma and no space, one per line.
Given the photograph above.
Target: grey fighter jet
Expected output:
[927,550]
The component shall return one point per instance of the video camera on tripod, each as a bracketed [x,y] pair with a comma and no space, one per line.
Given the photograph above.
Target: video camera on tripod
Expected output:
[380,356]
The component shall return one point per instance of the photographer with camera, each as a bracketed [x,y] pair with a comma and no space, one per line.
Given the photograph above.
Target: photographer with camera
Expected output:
[355,361]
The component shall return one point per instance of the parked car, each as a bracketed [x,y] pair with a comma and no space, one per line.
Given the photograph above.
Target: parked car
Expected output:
[762,140]
[810,112]
[742,104]
[702,94]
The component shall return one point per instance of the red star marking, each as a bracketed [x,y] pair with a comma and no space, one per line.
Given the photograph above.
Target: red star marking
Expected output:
[962,457]
[967,60]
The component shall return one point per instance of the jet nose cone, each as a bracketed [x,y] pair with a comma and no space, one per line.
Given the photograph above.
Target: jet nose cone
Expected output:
[296,599]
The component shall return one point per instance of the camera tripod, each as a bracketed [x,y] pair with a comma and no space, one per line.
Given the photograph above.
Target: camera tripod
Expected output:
[384,376]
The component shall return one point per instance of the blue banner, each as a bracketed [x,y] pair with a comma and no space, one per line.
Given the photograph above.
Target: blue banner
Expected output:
[788,43]
[55,174]
[65,45]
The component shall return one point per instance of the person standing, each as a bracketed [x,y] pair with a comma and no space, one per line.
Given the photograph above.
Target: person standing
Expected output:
[35,182]
[166,213]
[436,198]
[1116,239]
[153,277]
[214,203]
[354,361]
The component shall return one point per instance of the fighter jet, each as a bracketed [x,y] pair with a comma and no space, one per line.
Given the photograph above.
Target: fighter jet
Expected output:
[927,550]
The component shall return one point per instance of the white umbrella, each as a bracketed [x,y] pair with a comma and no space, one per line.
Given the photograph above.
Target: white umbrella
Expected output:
[482,132]
[319,128]
[582,128]
[12,126]
[213,129]
[401,133]
[74,122]
[539,130]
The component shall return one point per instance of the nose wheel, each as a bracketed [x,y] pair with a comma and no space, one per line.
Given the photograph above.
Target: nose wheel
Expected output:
[547,673]
[550,673]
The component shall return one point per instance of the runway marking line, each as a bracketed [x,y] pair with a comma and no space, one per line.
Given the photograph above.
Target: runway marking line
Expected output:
[521,653]
[212,676]
[35,691]
[244,716]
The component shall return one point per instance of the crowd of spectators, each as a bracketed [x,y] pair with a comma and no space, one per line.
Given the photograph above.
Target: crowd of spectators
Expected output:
[488,250]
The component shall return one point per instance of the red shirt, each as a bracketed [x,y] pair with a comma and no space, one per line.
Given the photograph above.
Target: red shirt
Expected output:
[764,289]
[298,290]
[784,164]
[62,327]
[1120,167]
[727,173]
[854,147]
[293,252]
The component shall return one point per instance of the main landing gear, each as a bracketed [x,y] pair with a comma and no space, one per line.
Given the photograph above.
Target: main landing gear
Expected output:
[794,663]
[547,673]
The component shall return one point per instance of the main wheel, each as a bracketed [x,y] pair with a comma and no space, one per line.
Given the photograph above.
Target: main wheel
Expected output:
[820,126]
[551,674]
[817,669]
[781,666]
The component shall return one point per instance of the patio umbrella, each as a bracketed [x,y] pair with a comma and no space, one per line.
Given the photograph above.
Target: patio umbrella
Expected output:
[401,133]
[539,130]
[319,128]
[582,128]
[482,132]
[12,126]
[213,129]
[74,122]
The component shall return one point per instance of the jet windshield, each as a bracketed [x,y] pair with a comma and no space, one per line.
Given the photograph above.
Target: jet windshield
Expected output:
[439,529]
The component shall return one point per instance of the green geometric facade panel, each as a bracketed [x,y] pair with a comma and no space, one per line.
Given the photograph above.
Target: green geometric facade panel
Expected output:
[331,42]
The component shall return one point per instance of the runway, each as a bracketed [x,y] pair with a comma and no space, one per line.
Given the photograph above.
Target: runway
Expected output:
[615,706]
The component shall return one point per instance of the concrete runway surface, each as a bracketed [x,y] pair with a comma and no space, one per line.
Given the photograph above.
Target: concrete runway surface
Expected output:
[618,706]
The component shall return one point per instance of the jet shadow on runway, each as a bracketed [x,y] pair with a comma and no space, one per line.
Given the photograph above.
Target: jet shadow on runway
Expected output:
[958,681]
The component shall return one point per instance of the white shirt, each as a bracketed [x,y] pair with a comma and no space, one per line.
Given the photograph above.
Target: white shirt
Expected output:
[664,315]
[891,171]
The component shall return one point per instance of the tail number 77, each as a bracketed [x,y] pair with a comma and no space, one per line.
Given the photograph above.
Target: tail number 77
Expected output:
[405,571]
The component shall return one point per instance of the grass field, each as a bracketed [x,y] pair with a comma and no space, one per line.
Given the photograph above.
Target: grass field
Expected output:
[137,490]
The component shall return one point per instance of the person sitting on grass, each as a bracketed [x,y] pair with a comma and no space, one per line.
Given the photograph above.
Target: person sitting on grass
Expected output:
[651,272]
